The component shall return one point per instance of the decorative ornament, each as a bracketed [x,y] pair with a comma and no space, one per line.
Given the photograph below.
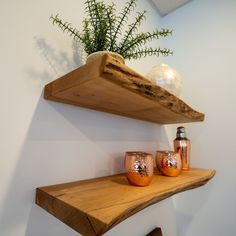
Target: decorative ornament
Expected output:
[166,77]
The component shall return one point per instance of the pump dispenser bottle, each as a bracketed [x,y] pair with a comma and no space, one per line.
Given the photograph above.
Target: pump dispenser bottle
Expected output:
[182,145]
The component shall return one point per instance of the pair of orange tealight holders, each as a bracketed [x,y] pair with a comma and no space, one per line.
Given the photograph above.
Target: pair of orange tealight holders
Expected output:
[139,166]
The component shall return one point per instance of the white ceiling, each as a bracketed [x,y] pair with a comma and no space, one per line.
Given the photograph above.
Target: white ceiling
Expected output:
[166,6]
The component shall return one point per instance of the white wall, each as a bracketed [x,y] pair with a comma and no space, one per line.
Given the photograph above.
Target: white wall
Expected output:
[204,43]
[45,143]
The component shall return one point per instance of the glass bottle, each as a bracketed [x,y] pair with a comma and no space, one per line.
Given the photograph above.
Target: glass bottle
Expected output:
[182,145]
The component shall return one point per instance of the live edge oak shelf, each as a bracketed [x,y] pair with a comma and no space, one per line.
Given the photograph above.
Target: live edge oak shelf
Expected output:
[108,86]
[92,207]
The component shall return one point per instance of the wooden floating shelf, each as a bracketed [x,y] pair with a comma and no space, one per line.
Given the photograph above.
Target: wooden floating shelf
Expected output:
[92,207]
[108,86]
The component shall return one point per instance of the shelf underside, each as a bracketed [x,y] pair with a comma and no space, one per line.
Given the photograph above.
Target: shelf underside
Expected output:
[92,207]
[108,86]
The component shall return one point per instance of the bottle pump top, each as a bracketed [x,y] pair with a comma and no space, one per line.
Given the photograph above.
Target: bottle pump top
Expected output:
[181,132]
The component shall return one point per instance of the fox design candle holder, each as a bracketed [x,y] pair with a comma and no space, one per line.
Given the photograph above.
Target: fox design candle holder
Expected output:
[139,168]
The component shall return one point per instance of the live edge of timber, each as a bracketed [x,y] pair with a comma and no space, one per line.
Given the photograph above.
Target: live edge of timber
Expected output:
[92,207]
[108,86]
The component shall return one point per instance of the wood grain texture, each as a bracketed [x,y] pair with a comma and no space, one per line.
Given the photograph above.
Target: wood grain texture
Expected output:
[92,207]
[108,86]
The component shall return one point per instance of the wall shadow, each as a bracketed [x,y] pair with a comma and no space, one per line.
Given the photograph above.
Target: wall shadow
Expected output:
[187,210]
[66,143]
[58,60]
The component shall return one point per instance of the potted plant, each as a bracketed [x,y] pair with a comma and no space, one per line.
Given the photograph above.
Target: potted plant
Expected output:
[104,31]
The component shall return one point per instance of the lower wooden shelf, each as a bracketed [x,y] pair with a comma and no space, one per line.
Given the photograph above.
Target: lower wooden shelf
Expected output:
[92,207]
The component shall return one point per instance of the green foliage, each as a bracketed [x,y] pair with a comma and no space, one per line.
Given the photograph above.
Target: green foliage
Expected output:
[102,31]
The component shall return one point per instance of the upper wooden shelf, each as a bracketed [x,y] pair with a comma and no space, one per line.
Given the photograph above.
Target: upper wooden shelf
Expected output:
[108,86]
[92,207]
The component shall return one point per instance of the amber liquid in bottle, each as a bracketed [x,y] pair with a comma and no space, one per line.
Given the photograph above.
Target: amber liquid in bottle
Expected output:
[182,145]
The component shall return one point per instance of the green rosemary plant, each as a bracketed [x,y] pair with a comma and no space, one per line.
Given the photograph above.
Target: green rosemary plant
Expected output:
[103,31]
